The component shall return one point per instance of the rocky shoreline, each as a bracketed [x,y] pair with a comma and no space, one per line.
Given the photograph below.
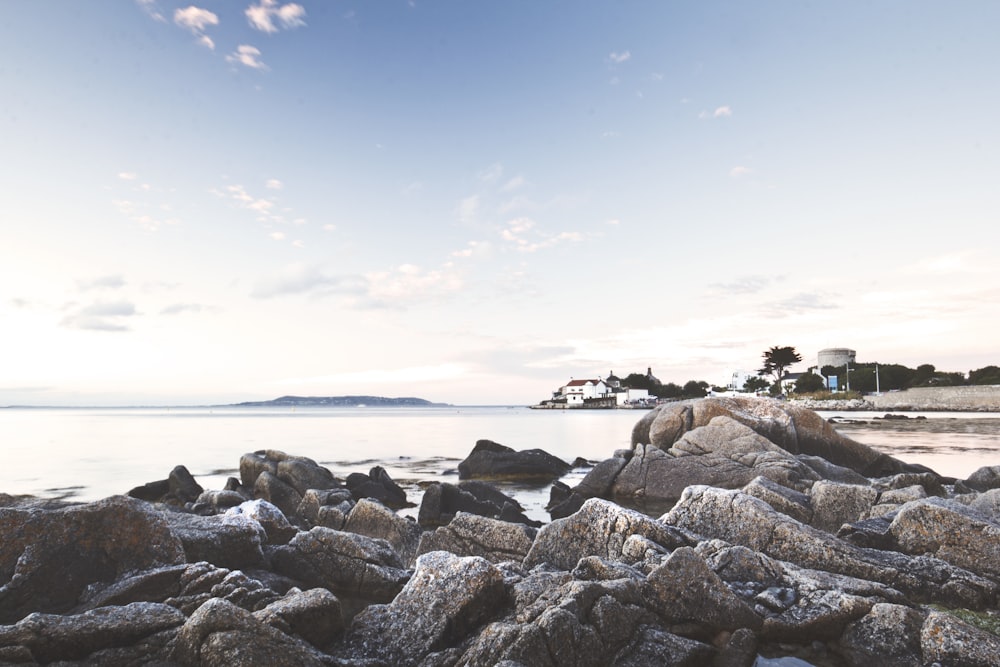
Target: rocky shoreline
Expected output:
[764,534]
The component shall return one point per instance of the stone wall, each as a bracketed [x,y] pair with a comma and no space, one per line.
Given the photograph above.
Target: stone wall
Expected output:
[978,398]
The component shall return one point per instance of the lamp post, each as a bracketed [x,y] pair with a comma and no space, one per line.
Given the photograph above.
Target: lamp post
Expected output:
[877,392]
[847,370]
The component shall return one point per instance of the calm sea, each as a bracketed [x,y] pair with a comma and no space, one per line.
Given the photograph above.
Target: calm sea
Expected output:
[91,453]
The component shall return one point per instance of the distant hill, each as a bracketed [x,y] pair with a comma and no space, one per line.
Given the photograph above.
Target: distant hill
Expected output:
[338,401]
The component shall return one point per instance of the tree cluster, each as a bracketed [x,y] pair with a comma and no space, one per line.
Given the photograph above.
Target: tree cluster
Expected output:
[691,388]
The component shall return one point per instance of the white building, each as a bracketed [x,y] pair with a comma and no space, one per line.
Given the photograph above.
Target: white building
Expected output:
[576,391]
[738,378]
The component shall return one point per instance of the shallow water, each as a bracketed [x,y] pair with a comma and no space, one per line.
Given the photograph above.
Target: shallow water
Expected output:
[86,454]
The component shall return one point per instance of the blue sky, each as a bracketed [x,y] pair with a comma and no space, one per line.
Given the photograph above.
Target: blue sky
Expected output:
[472,202]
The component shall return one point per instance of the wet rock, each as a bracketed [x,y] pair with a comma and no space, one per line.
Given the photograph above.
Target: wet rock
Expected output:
[889,635]
[447,598]
[491,460]
[379,486]
[178,489]
[598,482]
[442,501]
[835,504]
[984,479]
[54,637]
[373,519]
[473,535]
[48,558]
[270,488]
[600,528]
[220,633]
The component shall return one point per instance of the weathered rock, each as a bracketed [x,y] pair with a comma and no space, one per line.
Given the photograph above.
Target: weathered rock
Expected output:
[987,504]
[218,501]
[491,460]
[741,519]
[889,635]
[831,471]
[183,486]
[373,519]
[509,508]
[352,566]
[787,501]
[314,615]
[220,633]
[272,489]
[276,526]
[54,637]
[49,557]
[598,482]
[835,504]
[303,473]
[654,646]
[683,589]
[230,540]
[793,428]
[200,582]
[724,453]
[325,507]
[563,501]
[377,485]
[946,641]
[984,479]
[950,531]
[447,598]
[600,528]
[473,535]
[152,585]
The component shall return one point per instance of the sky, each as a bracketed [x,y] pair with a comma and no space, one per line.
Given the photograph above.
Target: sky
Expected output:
[473,202]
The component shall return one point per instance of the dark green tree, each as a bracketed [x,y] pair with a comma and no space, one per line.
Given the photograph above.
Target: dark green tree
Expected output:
[755,384]
[809,383]
[670,390]
[985,375]
[695,389]
[776,360]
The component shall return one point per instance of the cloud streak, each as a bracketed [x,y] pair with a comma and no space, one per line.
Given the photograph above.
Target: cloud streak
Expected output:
[269,15]
[101,316]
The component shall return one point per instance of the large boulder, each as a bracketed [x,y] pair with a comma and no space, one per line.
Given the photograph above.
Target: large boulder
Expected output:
[491,460]
[57,637]
[724,453]
[379,486]
[600,528]
[793,428]
[48,558]
[447,598]
[373,519]
[744,520]
[220,633]
[227,540]
[356,568]
[472,535]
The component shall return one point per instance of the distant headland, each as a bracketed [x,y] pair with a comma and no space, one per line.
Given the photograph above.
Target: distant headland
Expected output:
[338,402]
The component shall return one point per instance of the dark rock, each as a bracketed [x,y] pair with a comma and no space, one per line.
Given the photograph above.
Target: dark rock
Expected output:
[353,567]
[325,507]
[787,501]
[215,502]
[54,637]
[654,646]
[889,636]
[489,493]
[472,535]
[491,460]
[272,489]
[447,598]
[220,633]
[571,504]
[151,491]
[984,479]
[48,558]
[377,485]
[598,482]
[303,473]
[232,540]
[600,528]
[442,501]
[831,471]
[314,615]
[183,486]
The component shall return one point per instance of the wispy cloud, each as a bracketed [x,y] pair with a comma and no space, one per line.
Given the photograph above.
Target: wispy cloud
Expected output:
[524,237]
[196,20]
[269,15]
[101,316]
[468,208]
[274,184]
[746,285]
[720,112]
[738,171]
[151,8]
[102,282]
[309,279]
[619,58]
[182,308]
[141,213]
[248,56]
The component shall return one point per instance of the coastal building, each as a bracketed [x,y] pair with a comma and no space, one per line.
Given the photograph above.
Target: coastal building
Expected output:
[738,378]
[577,391]
[835,356]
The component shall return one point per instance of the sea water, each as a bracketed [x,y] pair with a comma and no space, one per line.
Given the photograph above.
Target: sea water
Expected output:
[90,453]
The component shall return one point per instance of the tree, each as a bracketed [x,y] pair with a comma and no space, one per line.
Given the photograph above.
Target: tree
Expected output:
[985,375]
[755,384]
[809,383]
[776,360]
[696,389]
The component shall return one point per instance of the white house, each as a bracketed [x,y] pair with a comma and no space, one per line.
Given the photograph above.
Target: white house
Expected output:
[576,391]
